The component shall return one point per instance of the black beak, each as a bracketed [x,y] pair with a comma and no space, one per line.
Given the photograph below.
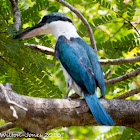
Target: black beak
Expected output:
[33,31]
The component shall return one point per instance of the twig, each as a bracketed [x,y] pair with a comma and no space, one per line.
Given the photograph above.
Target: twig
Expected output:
[112,21]
[116,32]
[119,61]
[7,126]
[107,74]
[43,49]
[128,94]
[129,23]
[16,12]
[89,29]
[123,77]
[133,27]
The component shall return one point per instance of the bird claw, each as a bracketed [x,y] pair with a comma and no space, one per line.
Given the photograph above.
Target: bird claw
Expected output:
[66,97]
[69,98]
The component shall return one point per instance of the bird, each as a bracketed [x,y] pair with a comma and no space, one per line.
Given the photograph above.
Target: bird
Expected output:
[79,61]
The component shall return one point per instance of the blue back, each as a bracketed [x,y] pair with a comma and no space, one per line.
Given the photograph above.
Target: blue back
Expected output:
[96,68]
[81,62]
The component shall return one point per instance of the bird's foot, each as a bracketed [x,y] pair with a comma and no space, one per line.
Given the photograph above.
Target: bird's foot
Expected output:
[66,97]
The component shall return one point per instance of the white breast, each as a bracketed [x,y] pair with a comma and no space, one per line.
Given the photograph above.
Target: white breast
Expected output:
[70,81]
[64,28]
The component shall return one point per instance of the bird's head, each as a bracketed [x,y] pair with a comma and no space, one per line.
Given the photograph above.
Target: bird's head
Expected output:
[55,23]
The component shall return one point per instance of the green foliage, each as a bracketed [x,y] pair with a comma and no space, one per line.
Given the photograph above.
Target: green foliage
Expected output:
[131,10]
[38,6]
[38,75]
[126,8]
[125,43]
[102,20]
[28,71]
[104,3]
[121,7]
[120,133]
[31,11]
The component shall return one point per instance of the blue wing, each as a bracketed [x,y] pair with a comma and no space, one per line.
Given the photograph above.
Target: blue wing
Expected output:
[77,62]
[96,68]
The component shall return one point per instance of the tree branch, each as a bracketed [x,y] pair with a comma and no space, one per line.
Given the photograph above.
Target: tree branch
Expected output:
[49,51]
[112,21]
[5,89]
[45,114]
[128,94]
[116,32]
[16,12]
[119,61]
[43,49]
[123,77]
[107,74]
[89,29]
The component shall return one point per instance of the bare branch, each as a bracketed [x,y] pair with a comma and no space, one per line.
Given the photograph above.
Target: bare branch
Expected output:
[49,51]
[7,126]
[112,21]
[45,114]
[116,32]
[128,94]
[89,29]
[123,77]
[16,12]
[107,74]
[119,61]
[43,49]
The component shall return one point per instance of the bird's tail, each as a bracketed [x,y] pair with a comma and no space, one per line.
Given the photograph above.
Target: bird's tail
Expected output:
[97,110]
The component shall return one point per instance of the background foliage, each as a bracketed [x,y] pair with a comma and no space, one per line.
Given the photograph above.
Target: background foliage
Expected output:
[114,23]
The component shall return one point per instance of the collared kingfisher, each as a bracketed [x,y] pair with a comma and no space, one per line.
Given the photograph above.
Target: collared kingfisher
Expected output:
[79,61]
